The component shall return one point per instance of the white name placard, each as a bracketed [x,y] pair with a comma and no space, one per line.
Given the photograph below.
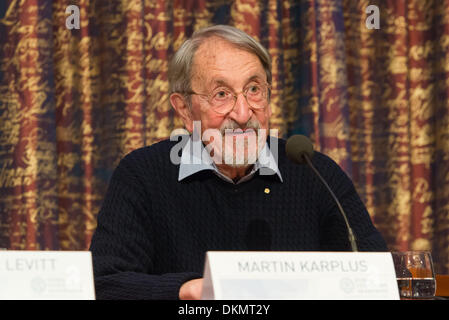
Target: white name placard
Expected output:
[46,275]
[299,276]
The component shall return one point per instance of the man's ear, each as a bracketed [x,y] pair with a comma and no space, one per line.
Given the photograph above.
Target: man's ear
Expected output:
[179,103]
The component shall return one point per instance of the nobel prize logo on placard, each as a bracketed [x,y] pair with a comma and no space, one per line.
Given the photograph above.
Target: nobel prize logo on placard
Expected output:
[38,285]
[347,285]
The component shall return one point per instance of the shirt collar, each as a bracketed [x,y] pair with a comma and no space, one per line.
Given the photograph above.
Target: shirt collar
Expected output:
[195,158]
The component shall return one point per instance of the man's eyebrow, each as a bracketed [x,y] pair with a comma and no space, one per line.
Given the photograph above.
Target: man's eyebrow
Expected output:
[220,82]
[255,77]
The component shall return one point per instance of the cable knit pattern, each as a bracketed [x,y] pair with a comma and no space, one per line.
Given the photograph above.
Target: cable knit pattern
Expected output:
[153,231]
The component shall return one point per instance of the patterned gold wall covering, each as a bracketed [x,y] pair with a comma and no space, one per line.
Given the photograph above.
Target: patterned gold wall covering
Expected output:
[73,102]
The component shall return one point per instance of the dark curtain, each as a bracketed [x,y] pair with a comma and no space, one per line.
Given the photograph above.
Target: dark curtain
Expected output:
[74,101]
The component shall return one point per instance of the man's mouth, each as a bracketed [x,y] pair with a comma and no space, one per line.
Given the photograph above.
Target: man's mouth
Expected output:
[240,132]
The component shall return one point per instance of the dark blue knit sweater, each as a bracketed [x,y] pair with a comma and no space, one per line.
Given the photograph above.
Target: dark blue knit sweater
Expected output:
[153,231]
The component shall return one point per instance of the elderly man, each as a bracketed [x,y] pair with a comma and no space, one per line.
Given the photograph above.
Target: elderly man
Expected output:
[235,190]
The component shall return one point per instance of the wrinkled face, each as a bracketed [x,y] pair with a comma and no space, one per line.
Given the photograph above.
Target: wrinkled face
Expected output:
[219,65]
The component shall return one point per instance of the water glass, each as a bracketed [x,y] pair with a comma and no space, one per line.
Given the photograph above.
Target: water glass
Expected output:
[415,275]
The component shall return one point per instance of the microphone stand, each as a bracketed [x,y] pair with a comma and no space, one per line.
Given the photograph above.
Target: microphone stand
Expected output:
[351,235]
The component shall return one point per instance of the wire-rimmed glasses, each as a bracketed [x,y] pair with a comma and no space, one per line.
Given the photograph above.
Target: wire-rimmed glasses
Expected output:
[222,99]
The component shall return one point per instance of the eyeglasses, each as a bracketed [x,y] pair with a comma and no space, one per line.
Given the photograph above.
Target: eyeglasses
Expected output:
[223,99]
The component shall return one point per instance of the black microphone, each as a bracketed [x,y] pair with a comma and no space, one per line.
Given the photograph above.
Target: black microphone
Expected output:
[258,236]
[300,150]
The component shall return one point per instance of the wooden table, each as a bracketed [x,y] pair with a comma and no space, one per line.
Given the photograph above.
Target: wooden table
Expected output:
[442,282]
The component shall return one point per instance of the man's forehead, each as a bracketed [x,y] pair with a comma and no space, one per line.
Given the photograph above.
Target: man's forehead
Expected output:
[210,46]
[215,55]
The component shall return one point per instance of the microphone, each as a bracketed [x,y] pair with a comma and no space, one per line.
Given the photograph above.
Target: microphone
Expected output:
[258,236]
[299,150]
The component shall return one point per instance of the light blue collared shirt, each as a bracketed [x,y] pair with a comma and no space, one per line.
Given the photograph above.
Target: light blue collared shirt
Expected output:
[195,158]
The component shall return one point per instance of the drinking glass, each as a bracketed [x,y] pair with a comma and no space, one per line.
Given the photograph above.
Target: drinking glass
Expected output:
[415,275]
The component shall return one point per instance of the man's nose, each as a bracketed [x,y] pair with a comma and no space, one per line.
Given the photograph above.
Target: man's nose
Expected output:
[242,112]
